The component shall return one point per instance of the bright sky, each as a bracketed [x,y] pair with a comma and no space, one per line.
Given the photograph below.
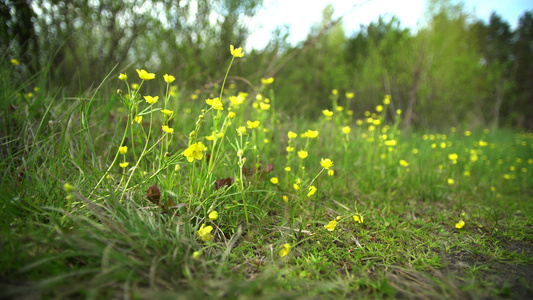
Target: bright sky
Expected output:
[300,15]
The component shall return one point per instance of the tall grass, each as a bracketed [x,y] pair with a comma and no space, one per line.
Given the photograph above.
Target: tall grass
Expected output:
[111,193]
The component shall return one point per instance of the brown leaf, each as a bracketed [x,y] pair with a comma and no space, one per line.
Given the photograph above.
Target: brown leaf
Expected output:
[153,194]
[224,182]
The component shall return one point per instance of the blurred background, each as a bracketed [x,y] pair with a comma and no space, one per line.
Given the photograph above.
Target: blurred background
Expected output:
[443,64]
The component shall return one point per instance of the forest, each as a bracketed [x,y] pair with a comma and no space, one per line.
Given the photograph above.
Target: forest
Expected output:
[454,71]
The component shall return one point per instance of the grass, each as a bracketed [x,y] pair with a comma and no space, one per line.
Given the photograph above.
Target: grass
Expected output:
[75,224]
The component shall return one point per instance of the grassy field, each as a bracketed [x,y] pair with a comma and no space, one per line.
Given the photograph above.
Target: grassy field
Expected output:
[125,195]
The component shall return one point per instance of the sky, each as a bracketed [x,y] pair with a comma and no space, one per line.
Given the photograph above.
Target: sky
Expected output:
[300,15]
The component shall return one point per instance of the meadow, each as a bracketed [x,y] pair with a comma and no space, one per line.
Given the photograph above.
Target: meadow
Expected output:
[137,189]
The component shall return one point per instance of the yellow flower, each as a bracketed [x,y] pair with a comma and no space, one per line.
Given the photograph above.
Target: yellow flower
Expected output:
[386,101]
[287,169]
[253,124]
[296,186]
[235,101]
[346,129]
[327,113]
[274,180]
[292,135]
[358,219]
[379,108]
[267,81]
[167,112]
[264,106]
[123,77]
[166,129]
[302,154]
[391,143]
[331,225]
[339,108]
[241,130]
[453,156]
[215,103]
[468,133]
[403,163]
[331,172]
[450,181]
[326,163]
[124,164]
[415,151]
[123,149]
[134,86]
[194,151]
[236,52]
[150,99]
[349,95]
[15,62]
[169,78]
[398,111]
[286,248]
[138,119]
[231,115]
[204,233]
[460,224]
[290,149]
[334,91]
[311,134]
[145,75]
[312,191]
[196,254]
[69,188]
[213,215]
[483,143]
[285,198]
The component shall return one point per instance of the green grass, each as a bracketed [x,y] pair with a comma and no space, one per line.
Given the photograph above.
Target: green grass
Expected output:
[133,232]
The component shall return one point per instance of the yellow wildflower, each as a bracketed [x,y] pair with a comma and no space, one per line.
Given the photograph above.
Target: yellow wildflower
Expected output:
[169,78]
[331,225]
[231,115]
[236,52]
[264,106]
[213,216]
[312,191]
[286,248]
[331,172]
[166,129]
[358,219]
[326,163]
[346,129]
[302,154]
[379,108]
[204,233]
[241,130]
[145,75]
[138,119]
[195,151]
[287,169]
[386,101]
[15,62]
[167,112]
[123,149]
[327,113]
[339,108]
[311,134]
[450,181]
[403,163]
[253,124]
[267,81]
[391,143]
[151,100]
[290,149]
[123,77]
[460,224]
[196,254]
[285,198]
[292,135]
[334,91]
[349,95]
[215,103]
[274,180]
[69,188]
[124,164]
